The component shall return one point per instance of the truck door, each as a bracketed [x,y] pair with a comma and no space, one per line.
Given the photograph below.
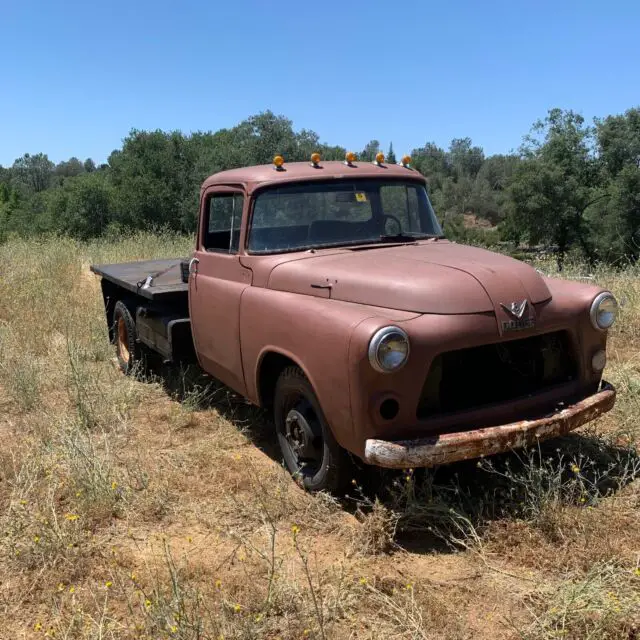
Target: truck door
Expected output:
[216,282]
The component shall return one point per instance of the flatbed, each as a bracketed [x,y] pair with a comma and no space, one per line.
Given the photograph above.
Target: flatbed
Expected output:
[166,284]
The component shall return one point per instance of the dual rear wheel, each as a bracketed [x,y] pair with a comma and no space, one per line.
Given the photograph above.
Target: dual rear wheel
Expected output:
[128,350]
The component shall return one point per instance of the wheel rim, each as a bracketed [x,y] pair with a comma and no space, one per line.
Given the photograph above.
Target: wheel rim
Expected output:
[303,437]
[123,340]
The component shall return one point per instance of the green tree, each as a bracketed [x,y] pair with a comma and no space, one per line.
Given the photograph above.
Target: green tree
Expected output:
[555,184]
[69,168]
[33,173]
[368,154]
[391,156]
[618,139]
[83,207]
[153,176]
[464,159]
[616,219]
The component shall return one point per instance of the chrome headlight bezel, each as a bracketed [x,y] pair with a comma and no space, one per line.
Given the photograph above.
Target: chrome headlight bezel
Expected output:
[379,338]
[605,296]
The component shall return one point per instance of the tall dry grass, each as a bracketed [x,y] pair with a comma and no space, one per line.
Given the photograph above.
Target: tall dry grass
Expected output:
[157,508]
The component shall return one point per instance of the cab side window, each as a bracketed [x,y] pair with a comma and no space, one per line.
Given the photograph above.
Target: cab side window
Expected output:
[222,232]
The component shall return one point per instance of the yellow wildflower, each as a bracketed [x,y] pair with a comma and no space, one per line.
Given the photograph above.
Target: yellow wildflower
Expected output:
[37,626]
[71,517]
[108,584]
[134,577]
[362,580]
[60,586]
[637,571]
[575,468]
[237,608]
[72,589]
[409,587]
[114,485]
[23,502]
[295,529]
[218,584]
[173,629]
[147,603]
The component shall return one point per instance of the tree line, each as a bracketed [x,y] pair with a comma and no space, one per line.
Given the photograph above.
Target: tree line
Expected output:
[571,185]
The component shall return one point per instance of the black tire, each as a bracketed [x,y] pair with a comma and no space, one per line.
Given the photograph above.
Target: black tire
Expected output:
[124,337]
[314,458]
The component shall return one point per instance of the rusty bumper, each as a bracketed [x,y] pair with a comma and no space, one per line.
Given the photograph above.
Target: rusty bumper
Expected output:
[451,447]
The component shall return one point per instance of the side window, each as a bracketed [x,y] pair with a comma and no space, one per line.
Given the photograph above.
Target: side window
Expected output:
[224,220]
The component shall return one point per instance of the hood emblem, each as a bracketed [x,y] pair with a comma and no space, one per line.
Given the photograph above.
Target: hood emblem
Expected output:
[517,312]
[515,309]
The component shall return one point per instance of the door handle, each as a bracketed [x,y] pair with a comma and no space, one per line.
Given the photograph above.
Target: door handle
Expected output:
[193,266]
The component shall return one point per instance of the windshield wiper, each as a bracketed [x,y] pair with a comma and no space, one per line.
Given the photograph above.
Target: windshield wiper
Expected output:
[399,237]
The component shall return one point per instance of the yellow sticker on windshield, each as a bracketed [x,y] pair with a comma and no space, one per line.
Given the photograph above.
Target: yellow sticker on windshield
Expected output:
[361,197]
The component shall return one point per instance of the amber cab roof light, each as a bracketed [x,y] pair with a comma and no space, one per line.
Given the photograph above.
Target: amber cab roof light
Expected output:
[278,163]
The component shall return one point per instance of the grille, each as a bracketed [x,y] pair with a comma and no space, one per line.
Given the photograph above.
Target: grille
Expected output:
[471,378]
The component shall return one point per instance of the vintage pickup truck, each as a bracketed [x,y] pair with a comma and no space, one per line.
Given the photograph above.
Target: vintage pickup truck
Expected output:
[326,292]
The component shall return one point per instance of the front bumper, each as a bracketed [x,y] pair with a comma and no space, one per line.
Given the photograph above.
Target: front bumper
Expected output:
[477,443]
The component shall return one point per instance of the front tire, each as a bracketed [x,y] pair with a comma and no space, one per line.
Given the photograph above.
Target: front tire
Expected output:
[310,452]
[124,337]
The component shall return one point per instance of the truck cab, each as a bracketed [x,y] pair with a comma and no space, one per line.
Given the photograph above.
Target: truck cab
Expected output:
[327,293]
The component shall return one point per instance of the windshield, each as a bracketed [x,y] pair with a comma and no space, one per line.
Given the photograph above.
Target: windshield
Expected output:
[308,215]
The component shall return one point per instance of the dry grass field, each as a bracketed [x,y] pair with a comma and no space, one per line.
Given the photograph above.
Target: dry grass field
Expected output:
[158,508]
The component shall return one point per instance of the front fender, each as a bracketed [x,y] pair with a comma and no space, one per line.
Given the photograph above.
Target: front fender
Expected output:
[315,334]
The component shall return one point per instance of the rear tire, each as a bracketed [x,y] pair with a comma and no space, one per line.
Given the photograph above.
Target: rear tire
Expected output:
[312,455]
[124,337]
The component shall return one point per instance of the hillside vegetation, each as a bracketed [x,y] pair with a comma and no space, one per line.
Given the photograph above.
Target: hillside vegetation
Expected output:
[157,507]
[571,186]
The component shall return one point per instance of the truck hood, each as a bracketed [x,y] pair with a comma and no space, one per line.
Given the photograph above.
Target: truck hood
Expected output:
[424,277]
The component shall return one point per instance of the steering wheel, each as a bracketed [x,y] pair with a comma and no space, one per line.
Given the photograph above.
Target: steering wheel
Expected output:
[388,216]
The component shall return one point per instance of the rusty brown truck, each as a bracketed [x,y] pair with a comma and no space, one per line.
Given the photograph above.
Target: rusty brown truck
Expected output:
[327,293]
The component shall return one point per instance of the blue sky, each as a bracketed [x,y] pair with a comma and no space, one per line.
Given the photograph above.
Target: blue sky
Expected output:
[78,76]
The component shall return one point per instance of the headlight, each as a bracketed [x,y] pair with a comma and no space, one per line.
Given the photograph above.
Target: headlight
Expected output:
[603,311]
[388,349]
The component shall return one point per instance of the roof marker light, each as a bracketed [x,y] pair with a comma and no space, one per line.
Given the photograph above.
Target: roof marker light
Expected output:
[379,159]
[278,161]
[349,158]
[406,161]
[315,160]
